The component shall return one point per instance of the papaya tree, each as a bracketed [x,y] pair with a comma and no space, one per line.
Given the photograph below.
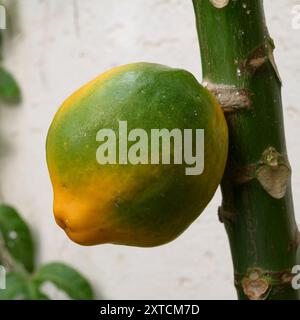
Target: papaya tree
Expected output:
[257,209]
[117,181]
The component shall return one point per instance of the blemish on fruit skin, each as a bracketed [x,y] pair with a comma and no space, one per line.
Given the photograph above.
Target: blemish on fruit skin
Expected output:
[219,3]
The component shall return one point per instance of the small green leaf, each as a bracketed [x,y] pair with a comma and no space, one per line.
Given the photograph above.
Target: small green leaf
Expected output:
[65,278]
[34,293]
[18,287]
[9,89]
[17,237]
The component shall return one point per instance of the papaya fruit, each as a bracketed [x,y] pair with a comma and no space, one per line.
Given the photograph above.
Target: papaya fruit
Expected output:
[121,202]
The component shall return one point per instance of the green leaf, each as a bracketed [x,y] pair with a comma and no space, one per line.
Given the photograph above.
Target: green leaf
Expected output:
[65,278]
[34,293]
[18,287]
[9,89]
[17,237]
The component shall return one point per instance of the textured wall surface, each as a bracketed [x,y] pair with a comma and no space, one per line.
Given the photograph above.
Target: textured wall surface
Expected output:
[55,47]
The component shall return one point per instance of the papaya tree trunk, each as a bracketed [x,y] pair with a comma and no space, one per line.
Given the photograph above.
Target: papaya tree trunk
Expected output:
[257,207]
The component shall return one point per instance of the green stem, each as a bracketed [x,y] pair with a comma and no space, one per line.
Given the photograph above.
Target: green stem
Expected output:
[257,208]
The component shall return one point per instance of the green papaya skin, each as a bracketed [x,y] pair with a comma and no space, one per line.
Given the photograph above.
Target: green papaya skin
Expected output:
[133,204]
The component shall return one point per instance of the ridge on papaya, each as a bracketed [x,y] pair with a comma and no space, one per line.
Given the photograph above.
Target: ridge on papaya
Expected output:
[162,146]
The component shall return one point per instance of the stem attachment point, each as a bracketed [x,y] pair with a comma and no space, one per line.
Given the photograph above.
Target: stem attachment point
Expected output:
[255,286]
[219,3]
[272,171]
[231,98]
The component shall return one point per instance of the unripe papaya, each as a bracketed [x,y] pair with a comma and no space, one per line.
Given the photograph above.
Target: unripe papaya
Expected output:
[122,201]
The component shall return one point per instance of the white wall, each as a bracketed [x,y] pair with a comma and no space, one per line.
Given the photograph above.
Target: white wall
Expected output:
[59,45]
